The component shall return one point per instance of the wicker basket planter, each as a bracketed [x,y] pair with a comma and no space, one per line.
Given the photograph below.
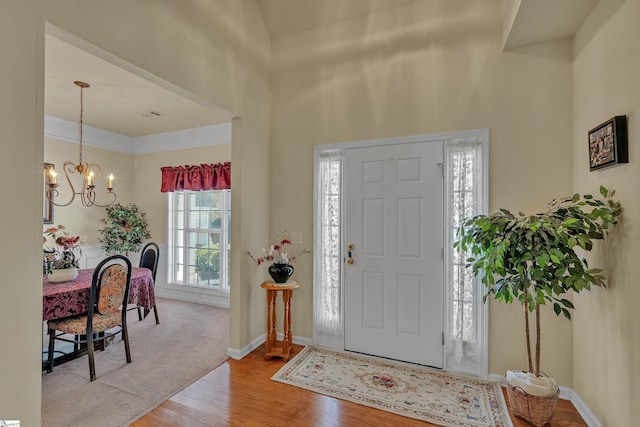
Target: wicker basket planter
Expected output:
[538,410]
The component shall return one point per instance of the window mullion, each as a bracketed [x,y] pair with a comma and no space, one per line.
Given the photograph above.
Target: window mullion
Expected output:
[185,237]
[224,239]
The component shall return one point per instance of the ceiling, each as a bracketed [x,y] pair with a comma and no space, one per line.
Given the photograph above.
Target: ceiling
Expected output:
[120,100]
[539,21]
[123,102]
[286,17]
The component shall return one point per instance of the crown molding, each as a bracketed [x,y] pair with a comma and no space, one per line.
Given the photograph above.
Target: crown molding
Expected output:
[188,138]
[178,140]
[91,136]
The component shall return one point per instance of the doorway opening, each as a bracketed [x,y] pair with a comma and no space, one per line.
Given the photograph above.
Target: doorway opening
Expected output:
[463,170]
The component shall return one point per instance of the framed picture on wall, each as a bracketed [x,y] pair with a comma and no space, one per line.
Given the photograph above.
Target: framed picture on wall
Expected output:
[608,143]
[47,205]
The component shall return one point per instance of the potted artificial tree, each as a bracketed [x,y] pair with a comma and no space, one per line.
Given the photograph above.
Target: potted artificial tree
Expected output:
[126,228]
[533,259]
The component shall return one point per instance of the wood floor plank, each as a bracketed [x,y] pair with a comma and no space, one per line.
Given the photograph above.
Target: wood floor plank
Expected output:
[241,393]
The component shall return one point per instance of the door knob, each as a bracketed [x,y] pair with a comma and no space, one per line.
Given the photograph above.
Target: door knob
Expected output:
[349,258]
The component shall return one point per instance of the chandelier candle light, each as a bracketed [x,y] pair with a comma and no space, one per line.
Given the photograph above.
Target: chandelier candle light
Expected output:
[89,171]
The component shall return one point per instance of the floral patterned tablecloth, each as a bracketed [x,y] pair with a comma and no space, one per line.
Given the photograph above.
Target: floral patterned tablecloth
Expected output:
[70,298]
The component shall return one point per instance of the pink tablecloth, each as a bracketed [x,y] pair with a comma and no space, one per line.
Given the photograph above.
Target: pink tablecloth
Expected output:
[69,298]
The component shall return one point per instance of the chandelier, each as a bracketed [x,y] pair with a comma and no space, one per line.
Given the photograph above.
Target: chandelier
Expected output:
[90,173]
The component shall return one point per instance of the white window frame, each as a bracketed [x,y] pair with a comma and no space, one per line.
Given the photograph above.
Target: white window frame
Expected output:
[173,282]
[328,313]
[322,337]
[478,363]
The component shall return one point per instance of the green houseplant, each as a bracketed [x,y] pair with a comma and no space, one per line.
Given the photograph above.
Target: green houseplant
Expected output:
[125,230]
[533,259]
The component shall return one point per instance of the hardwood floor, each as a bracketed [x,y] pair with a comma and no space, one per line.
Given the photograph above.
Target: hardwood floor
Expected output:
[241,393]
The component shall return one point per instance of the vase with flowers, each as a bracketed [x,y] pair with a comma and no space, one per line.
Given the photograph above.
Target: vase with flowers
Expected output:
[61,257]
[280,268]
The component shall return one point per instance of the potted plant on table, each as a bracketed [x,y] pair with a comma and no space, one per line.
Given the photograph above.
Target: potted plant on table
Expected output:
[280,269]
[126,228]
[533,259]
[61,254]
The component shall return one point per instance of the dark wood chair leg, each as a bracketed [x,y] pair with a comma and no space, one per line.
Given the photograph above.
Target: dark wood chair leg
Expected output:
[139,314]
[155,312]
[125,338]
[92,366]
[52,340]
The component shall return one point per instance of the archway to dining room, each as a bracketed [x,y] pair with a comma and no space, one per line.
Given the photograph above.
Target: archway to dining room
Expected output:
[134,123]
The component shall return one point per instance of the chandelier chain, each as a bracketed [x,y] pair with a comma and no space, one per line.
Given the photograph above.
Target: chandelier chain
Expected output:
[90,173]
[81,119]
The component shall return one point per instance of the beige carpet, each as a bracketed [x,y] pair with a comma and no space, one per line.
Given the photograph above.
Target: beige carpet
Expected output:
[190,341]
[425,394]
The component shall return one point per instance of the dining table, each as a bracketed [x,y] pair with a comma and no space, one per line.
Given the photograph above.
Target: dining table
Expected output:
[65,299]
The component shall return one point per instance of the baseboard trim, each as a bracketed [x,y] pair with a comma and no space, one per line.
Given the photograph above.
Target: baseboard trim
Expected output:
[297,340]
[192,295]
[238,354]
[584,410]
[566,393]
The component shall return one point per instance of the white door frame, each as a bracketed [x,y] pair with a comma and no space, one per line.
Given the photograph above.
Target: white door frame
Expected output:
[480,368]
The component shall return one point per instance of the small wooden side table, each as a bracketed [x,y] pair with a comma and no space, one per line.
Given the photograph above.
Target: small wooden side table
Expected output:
[271,348]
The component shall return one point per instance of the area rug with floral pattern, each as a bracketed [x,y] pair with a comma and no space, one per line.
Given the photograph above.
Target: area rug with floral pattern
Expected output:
[409,390]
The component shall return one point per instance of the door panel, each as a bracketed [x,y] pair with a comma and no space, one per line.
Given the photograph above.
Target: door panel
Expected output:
[394,217]
[373,301]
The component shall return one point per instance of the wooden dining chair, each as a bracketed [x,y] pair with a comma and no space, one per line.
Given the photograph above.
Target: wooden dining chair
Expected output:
[149,258]
[107,302]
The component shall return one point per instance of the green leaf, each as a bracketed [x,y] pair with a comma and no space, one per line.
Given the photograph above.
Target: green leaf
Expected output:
[603,191]
[567,303]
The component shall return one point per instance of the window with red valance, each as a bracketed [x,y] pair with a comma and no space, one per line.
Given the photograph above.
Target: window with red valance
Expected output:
[196,178]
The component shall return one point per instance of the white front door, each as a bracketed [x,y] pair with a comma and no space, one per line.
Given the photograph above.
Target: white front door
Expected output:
[393,199]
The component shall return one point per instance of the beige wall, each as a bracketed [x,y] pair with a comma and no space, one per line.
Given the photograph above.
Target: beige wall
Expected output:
[79,220]
[606,323]
[390,74]
[21,129]
[421,68]
[218,50]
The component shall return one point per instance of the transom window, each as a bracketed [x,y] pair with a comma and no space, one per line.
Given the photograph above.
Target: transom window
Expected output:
[199,238]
